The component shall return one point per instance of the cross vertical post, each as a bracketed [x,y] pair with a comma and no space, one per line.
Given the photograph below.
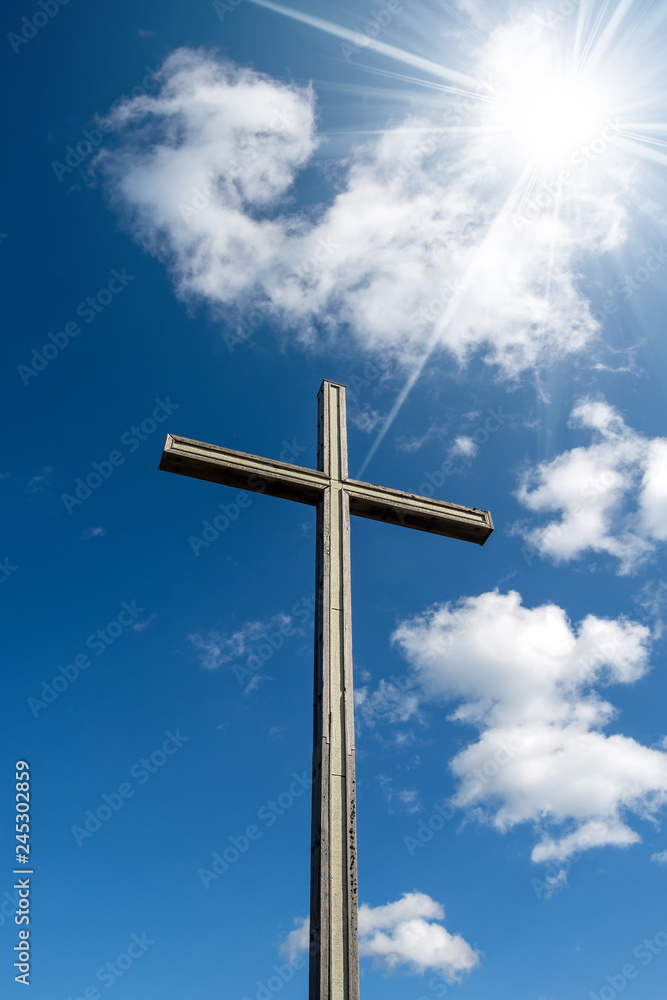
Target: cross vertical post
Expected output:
[334,945]
[334,954]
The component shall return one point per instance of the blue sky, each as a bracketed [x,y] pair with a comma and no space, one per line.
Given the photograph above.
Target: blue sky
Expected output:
[458,211]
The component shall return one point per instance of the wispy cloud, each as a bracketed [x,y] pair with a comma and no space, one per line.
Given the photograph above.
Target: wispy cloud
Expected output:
[97,532]
[364,419]
[148,623]
[411,444]
[216,649]
[407,798]
[41,481]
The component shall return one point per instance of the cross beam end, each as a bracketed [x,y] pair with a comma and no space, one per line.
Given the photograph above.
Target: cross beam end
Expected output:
[245,472]
[422,513]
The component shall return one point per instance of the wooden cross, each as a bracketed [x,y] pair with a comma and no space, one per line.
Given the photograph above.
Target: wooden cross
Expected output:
[334,950]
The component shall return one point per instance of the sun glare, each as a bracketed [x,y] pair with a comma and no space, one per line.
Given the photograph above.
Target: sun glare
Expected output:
[546,120]
[544,100]
[556,119]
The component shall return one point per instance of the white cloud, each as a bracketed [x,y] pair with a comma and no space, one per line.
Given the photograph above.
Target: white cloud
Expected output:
[297,940]
[653,496]
[392,701]
[215,649]
[417,249]
[660,858]
[553,882]
[365,419]
[410,444]
[526,678]
[40,482]
[652,599]
[611,495]
[96,532]
[408,798]
[204,166]
[407,933]
[464,447]
[403,933]
[148,623]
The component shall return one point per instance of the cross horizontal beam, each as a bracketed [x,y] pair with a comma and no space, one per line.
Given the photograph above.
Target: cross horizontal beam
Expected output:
[245,472]
[435,516]
[293,482]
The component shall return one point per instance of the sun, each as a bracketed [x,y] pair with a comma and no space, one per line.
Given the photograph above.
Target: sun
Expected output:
[544,101]
[555,119]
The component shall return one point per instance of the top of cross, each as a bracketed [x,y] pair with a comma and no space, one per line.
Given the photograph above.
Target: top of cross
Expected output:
[294,482]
